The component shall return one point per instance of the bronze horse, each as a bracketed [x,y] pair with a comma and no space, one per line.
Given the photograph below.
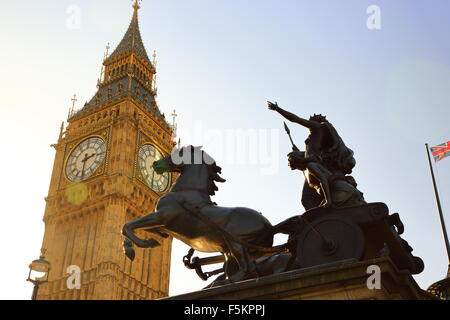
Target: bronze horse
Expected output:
[188,214]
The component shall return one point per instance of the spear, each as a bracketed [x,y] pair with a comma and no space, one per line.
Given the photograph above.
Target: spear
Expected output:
[328,245]
[288,131]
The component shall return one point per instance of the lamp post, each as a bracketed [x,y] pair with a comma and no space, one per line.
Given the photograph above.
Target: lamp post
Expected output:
[39,271]
[441,289]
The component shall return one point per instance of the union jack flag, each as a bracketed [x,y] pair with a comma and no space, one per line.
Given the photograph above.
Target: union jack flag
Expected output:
[441,151]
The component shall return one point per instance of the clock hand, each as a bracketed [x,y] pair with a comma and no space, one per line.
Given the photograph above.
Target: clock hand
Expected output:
[86,158]
[84,165]
[92,155]
[153,177]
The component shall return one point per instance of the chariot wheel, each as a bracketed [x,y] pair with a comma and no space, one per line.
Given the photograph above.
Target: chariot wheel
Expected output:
[329,240]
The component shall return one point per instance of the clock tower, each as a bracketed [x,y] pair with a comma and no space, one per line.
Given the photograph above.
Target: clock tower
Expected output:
[102,177]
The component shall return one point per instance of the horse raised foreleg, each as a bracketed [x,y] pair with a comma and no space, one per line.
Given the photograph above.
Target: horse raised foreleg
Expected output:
[150,221]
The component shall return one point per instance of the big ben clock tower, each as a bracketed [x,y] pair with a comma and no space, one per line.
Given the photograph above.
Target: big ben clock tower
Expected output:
[102,177]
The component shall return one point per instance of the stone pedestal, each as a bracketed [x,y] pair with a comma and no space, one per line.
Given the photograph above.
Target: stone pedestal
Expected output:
[344,280]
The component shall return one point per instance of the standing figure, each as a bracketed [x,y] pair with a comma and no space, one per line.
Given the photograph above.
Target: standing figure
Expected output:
[324,146]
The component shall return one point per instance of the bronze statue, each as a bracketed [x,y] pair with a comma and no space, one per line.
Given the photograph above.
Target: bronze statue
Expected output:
[326,163]
[337,226]
[349,229]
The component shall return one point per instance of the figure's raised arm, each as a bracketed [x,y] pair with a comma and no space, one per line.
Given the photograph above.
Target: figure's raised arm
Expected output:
[292,117]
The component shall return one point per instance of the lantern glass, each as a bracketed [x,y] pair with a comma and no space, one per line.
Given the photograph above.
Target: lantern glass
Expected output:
[39,270]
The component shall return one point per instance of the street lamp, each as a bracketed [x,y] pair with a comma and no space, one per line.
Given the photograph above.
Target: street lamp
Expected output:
[39,271]
[441,289]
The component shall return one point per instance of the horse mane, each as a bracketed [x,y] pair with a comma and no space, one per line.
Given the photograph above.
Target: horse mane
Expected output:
[213,169]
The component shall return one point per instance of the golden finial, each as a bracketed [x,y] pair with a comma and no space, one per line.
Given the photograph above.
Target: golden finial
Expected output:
[74,100]
[154,58]
[107,51]
[61,133]
[174,124]
[137,4]
[154,66]
[174,116]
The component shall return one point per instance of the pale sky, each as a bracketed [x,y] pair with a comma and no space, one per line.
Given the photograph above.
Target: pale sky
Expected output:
[386,91]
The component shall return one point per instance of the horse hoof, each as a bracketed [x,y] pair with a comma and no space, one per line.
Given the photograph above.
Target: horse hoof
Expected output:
[130,253]
[127,243]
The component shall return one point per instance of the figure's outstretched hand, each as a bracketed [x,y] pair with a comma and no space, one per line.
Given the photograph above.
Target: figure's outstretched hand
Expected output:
[273,106]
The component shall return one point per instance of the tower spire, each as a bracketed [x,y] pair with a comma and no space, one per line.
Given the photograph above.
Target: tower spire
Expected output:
[128,72]
[132,40]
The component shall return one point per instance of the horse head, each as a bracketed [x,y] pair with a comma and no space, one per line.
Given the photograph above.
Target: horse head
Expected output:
[197,169]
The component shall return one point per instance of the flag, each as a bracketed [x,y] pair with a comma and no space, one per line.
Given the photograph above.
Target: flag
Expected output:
[441,151]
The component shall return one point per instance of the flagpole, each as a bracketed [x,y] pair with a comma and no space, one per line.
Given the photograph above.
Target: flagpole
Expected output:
[441,216]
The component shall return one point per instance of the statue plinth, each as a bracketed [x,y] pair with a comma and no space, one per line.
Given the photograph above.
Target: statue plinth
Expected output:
[344,280]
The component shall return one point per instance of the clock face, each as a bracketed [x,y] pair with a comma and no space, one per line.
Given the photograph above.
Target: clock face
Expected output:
[157,182]
[86,159]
